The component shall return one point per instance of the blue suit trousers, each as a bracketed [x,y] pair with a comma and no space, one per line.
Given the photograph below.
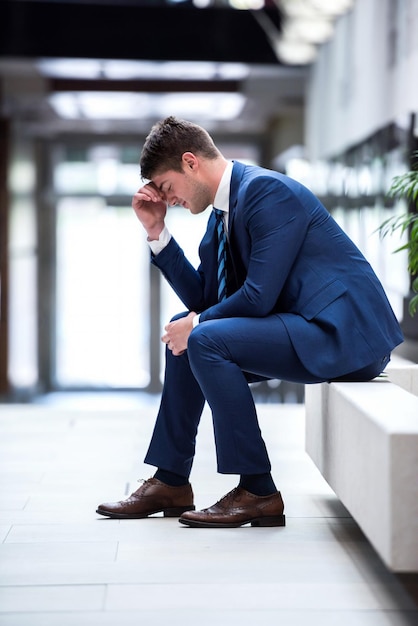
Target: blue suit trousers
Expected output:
[223,356]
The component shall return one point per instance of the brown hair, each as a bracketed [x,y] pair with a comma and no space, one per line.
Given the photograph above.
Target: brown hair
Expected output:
[168,140]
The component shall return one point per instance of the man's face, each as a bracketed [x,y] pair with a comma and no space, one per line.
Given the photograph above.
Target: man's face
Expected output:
[184,188]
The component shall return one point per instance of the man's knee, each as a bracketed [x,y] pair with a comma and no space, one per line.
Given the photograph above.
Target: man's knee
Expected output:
[195,338]
[204,341]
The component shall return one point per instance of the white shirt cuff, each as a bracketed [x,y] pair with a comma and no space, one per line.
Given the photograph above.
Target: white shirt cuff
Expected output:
[157,245]
[196,320]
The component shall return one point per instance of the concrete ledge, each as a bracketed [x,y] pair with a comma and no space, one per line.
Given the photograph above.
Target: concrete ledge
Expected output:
[403,373]
[363,437]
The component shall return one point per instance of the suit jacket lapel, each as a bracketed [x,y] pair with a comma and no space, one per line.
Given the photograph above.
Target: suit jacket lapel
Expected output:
[237,173]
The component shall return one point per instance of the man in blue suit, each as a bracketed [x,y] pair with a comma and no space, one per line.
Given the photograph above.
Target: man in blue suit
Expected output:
[302,305]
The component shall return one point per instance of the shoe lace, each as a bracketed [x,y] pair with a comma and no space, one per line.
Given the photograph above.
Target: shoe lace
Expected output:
[141,481]
[229,496]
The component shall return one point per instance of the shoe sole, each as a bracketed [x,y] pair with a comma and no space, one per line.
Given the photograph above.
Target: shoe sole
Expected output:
[172,512]
[274,520]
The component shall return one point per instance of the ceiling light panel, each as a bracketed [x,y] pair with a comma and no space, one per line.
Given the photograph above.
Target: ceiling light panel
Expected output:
[130,70]
[135,106]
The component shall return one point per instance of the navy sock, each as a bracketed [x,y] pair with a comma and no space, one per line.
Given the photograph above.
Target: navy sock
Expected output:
[258,484]
[170,478]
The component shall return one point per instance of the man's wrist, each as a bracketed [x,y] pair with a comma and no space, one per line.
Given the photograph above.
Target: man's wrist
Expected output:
[157,245]
[153,234]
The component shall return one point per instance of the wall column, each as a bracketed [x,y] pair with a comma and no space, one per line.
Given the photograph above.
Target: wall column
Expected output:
[4,256]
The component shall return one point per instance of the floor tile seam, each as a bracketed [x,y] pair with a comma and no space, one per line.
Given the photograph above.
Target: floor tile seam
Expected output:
[232,610]
[4,541]
[302,611]
[117,551]
[54,585]
[61,543]
[358,583]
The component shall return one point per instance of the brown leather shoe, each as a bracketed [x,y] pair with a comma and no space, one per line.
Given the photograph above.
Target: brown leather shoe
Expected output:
[237,508]
[153,496]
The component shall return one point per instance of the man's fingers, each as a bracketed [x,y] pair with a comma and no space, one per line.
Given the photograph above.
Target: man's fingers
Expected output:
[150,193]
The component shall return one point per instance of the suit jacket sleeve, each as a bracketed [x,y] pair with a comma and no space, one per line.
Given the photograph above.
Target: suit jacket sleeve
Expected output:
[187,282]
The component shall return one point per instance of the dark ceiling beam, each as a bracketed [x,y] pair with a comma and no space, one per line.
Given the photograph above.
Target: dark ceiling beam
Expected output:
[131,31]
[149,86]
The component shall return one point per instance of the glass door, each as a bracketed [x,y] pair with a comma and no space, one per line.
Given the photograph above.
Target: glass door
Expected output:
[102,271]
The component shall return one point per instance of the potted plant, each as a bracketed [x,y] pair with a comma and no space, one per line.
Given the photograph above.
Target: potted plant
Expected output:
[406,186]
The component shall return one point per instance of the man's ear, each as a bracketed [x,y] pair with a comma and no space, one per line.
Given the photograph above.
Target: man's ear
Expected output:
[189,161]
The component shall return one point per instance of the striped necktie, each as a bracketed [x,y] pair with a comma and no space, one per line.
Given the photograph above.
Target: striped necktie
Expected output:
[220,229]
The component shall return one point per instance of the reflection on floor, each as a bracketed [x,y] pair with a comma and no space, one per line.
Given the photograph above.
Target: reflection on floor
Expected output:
[62,565]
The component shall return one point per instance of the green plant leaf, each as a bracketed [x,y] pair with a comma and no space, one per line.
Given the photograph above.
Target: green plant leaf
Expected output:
[406,186]
[413,304]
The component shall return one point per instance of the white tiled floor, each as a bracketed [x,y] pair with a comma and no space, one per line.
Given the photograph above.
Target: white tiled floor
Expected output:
[63,565]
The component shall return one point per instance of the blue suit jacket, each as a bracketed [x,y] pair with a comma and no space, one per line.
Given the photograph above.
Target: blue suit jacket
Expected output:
[288,256]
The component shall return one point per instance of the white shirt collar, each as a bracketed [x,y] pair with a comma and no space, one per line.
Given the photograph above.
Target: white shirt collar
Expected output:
[221,200]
